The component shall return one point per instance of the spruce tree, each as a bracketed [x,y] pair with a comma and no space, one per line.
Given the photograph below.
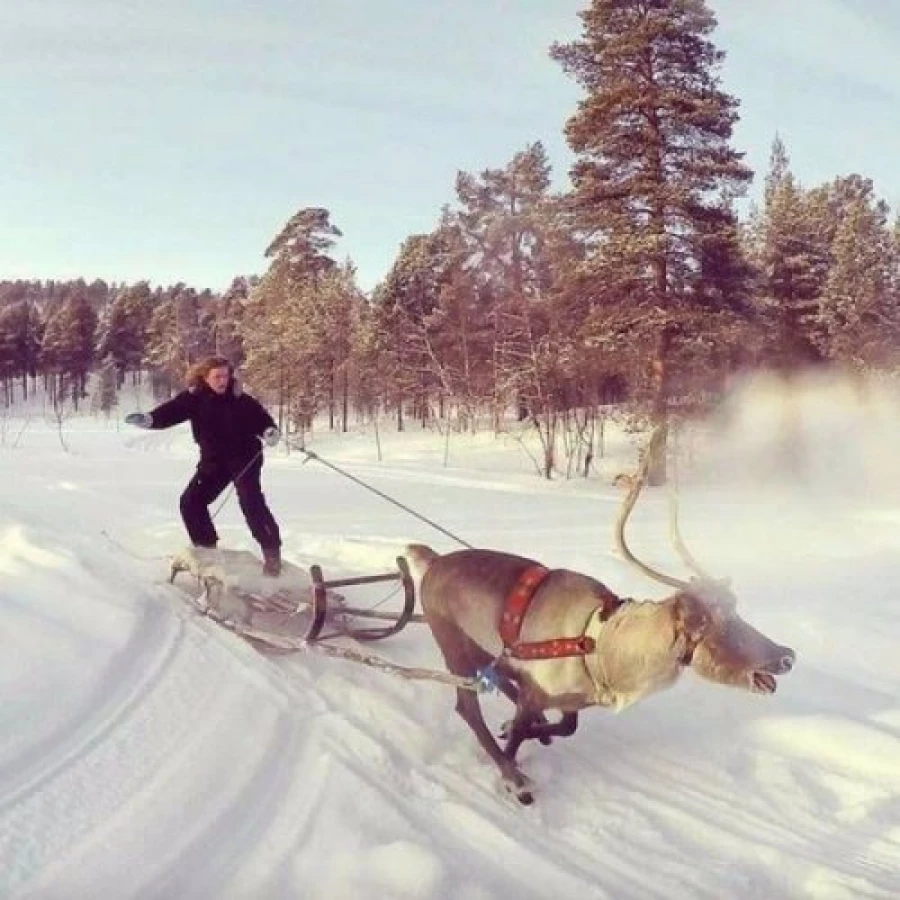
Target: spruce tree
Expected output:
[857,313]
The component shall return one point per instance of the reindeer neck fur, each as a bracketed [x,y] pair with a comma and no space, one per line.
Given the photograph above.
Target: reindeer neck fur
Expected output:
[639,651]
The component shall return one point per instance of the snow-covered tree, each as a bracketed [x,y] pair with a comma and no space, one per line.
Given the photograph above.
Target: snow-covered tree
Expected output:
[858,312]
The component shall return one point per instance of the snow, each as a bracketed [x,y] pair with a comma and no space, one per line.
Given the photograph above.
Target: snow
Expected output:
[146,752]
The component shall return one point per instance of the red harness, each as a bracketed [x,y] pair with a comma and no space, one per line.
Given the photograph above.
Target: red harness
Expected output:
[514,613]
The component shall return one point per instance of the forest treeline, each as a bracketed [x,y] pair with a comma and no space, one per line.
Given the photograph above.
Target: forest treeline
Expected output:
[638,284]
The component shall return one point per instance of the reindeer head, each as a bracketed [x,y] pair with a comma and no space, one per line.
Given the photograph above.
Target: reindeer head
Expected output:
[720,646]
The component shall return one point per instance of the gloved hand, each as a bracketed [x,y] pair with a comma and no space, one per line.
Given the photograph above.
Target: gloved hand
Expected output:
[271,436]
[140,420]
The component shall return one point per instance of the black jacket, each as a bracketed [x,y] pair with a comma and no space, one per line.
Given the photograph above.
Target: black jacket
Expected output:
[226,426]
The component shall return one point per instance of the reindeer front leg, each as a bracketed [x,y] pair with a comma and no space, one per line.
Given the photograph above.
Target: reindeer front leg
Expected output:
[469,707]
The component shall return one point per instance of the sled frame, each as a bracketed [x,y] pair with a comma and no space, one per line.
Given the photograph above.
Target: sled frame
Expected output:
[320,589]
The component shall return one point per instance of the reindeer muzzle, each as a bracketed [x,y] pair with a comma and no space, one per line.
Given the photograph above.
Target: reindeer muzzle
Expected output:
[762,680]
[786,661]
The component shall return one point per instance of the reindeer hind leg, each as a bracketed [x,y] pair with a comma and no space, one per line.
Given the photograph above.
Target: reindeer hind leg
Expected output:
[469,708]
[543,730]
[464,657]
[519,730]
[529,725]
[513,692]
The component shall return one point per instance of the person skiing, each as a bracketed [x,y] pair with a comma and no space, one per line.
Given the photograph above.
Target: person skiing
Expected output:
[228,425]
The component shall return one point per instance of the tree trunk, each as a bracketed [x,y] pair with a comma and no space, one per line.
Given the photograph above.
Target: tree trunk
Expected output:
[331,395]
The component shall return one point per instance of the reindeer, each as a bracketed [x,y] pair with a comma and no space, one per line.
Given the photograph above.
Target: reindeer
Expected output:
[562,641]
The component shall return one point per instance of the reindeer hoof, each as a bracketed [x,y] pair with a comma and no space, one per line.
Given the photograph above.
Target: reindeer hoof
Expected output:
[521,788]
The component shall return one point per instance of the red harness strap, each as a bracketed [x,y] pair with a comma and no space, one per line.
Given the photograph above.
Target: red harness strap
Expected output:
[514,613]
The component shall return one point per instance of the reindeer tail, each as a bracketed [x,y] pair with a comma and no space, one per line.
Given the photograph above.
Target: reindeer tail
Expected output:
[420,558]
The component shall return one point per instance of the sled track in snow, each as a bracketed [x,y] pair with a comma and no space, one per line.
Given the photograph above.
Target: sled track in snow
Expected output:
[139,666]
[209,863]
[161,682]
[44,783]
[159,708]
[646,792]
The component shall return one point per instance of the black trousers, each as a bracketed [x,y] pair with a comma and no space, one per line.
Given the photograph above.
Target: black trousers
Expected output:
[210,479]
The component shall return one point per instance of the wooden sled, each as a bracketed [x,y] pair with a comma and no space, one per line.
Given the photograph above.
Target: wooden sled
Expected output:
[293,608]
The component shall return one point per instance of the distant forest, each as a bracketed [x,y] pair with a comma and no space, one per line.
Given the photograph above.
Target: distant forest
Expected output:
[640,285]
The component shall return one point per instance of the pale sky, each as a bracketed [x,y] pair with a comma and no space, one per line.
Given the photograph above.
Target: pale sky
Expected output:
[171,140]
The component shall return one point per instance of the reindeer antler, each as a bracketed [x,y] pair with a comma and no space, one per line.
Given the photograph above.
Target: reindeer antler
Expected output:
[653,447]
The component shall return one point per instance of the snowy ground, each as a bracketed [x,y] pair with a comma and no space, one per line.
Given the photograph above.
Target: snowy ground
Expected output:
[147,753]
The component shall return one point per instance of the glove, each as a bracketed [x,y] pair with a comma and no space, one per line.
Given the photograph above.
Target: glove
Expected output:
[140,420]
[271,436]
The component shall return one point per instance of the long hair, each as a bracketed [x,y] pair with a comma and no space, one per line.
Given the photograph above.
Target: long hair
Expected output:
[196,374]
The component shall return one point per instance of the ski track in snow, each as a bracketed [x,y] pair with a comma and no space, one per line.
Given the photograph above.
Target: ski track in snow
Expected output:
[181,762]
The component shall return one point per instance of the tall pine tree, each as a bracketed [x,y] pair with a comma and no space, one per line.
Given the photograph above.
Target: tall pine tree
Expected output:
[655,175]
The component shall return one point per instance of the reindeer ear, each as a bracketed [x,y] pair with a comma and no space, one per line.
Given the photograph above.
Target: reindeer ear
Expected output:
[691,618]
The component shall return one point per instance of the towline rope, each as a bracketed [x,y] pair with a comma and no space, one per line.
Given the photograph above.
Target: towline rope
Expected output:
[315,456]
[481,683]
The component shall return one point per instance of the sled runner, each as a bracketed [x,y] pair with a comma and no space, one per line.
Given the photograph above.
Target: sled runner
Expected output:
[292,609]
